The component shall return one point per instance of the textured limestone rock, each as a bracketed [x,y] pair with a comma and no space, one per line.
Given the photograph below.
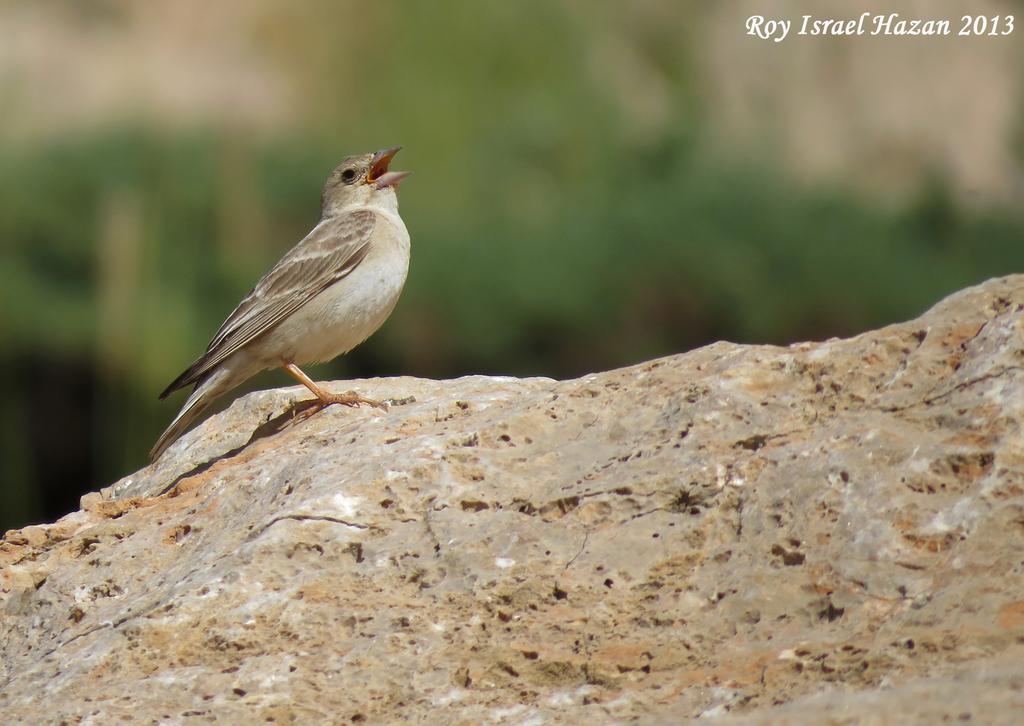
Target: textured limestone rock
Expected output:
[825,531]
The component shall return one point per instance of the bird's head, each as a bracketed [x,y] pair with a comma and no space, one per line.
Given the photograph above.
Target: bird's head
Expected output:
[362,180]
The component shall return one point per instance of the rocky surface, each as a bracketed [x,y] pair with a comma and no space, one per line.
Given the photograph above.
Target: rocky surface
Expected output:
[828,532]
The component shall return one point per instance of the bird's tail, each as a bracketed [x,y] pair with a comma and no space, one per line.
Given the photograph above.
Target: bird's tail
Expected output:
[207,390]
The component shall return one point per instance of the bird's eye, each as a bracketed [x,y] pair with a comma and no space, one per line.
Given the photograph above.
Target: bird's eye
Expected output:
[348,176]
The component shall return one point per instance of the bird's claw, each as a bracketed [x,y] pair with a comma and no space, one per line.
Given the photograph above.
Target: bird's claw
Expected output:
[352,399]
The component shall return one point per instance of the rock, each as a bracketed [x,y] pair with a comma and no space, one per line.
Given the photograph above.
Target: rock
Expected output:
[824,531]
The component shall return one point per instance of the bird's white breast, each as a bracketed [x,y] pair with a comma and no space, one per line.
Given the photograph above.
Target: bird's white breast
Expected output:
[349,311]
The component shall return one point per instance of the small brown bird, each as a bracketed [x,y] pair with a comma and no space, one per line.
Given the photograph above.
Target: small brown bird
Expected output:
[325,297]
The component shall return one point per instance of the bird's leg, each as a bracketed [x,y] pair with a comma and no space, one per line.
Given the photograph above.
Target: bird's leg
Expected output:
[324,399]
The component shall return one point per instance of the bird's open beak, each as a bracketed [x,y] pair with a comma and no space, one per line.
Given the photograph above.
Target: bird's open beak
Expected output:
[379,175]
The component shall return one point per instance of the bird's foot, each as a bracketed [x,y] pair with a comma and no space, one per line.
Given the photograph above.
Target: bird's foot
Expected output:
[349,398]
[306,408]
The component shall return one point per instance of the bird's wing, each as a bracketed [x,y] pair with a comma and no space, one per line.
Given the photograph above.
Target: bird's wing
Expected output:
[331,251]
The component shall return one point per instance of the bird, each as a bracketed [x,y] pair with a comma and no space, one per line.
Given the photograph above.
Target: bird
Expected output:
[327,295]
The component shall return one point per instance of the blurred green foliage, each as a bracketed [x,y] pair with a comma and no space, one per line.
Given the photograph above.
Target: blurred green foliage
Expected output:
[124,251]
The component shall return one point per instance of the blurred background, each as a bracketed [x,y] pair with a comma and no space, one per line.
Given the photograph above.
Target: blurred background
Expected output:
[597,183]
